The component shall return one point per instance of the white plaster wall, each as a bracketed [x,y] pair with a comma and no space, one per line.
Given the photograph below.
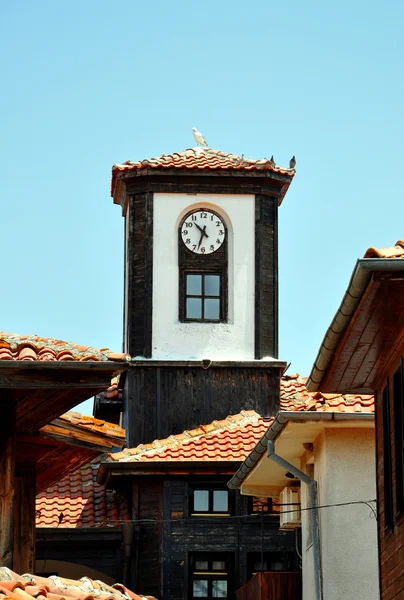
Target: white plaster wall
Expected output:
[174,340]
[345,472]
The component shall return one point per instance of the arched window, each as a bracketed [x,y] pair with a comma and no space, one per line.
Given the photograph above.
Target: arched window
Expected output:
[203,271]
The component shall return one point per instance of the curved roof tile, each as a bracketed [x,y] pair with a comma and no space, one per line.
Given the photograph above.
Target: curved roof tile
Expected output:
[199,159]
[396,251]
[33,348]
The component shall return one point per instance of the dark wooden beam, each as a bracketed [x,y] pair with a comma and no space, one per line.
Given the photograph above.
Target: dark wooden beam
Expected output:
[266,276]
[24,521]
[7,470]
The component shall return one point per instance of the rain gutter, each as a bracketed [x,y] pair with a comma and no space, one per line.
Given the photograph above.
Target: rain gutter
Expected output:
[281,419]
[314,521]
[364,269]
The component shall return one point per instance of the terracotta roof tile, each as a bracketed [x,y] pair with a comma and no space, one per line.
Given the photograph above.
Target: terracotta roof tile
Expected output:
[235,437]
[27,587]
[295,396]
[91,424]
[199,159]
[396,251]
[31,347]
[82,501]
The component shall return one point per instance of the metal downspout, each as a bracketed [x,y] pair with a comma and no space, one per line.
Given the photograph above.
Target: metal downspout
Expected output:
[315,525]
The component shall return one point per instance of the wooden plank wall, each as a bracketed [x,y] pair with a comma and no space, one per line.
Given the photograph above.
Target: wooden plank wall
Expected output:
[140,275]
[391,537]
[266,276]
[7,474]
[234,536]
[161,401]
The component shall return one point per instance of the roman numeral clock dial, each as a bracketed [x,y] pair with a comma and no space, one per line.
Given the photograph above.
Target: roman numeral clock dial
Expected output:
[203,231]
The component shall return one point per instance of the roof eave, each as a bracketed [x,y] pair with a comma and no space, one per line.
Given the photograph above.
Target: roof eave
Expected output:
[276,427]
[359,281]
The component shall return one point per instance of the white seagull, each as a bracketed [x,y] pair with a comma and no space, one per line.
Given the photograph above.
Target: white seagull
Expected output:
[198,137]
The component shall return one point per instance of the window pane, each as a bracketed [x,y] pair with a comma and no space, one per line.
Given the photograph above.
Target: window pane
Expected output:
[194,285]
[218,565]
[201,565]
[201,500]
[220,501]
[212,285]
[219,589]
[200,588]
[194,308]
[212,309]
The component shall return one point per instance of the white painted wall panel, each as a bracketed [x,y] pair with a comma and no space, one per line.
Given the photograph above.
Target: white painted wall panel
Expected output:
[174,340]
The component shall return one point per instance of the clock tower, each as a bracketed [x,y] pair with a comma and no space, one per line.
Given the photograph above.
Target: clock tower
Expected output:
[201,288]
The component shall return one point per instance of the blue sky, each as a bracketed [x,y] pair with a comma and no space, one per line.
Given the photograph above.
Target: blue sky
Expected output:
[88,84]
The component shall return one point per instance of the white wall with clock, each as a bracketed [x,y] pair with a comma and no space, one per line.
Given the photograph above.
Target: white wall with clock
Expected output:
[234,339]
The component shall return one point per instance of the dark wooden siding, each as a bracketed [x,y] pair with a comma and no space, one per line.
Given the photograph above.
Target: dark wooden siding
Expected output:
[160,401]
[236,536]
[266,276]
[91,548]
[391,537]
[140,275]
[147,512]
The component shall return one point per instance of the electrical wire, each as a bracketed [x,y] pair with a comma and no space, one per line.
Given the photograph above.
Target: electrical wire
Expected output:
[367,503]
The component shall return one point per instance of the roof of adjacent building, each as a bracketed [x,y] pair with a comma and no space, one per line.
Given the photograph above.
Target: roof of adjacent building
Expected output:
[33,348]
[78,500]
[87,429]
[27,586]
[396,251]
[200,159]
[235,437]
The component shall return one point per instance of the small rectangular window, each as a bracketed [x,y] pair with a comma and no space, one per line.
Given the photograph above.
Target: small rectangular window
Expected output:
[203,300]
[211,575]
[269,506]
[398,417]
[210,501]
[387,466]
[201,501]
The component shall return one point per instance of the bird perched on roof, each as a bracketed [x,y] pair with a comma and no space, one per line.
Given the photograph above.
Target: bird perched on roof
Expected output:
[292,162]
[198,137]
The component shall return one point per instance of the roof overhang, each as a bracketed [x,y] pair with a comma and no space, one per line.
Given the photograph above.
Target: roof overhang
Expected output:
[116,472]
[60,448]
[43,390]
[126,183]
[366,330]
[258,475]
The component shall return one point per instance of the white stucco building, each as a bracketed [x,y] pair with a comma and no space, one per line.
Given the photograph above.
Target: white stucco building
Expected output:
[332,455]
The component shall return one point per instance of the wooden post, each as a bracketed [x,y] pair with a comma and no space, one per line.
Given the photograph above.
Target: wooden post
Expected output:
[24,521]
[7,470]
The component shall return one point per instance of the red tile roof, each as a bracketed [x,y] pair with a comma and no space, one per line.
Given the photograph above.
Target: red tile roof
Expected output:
[235,437]
[88,429]
[396,251]
[28,587]
[295,396]
[33,348]
[82,501]
[229,439]
[199,159]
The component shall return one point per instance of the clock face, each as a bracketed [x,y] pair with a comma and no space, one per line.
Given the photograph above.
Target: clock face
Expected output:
[203,231]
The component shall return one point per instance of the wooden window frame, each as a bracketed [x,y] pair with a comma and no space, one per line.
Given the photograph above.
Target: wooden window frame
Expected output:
[398,418]
[202,296]
[387,458]
[210,512]
[209,264]
[210,575]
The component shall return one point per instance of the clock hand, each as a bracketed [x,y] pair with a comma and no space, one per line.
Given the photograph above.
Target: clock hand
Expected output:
[202,234]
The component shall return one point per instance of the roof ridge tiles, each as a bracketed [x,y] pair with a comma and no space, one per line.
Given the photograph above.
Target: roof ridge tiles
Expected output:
[15,346]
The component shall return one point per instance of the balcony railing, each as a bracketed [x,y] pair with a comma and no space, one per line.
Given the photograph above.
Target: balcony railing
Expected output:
[272,585]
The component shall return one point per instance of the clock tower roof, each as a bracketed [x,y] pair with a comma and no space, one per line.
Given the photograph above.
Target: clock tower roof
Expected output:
[198,159]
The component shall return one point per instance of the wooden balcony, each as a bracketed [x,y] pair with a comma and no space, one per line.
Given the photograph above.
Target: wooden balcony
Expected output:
[272,585]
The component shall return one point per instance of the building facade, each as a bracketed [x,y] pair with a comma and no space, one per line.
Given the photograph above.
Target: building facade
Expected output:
[363,350]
